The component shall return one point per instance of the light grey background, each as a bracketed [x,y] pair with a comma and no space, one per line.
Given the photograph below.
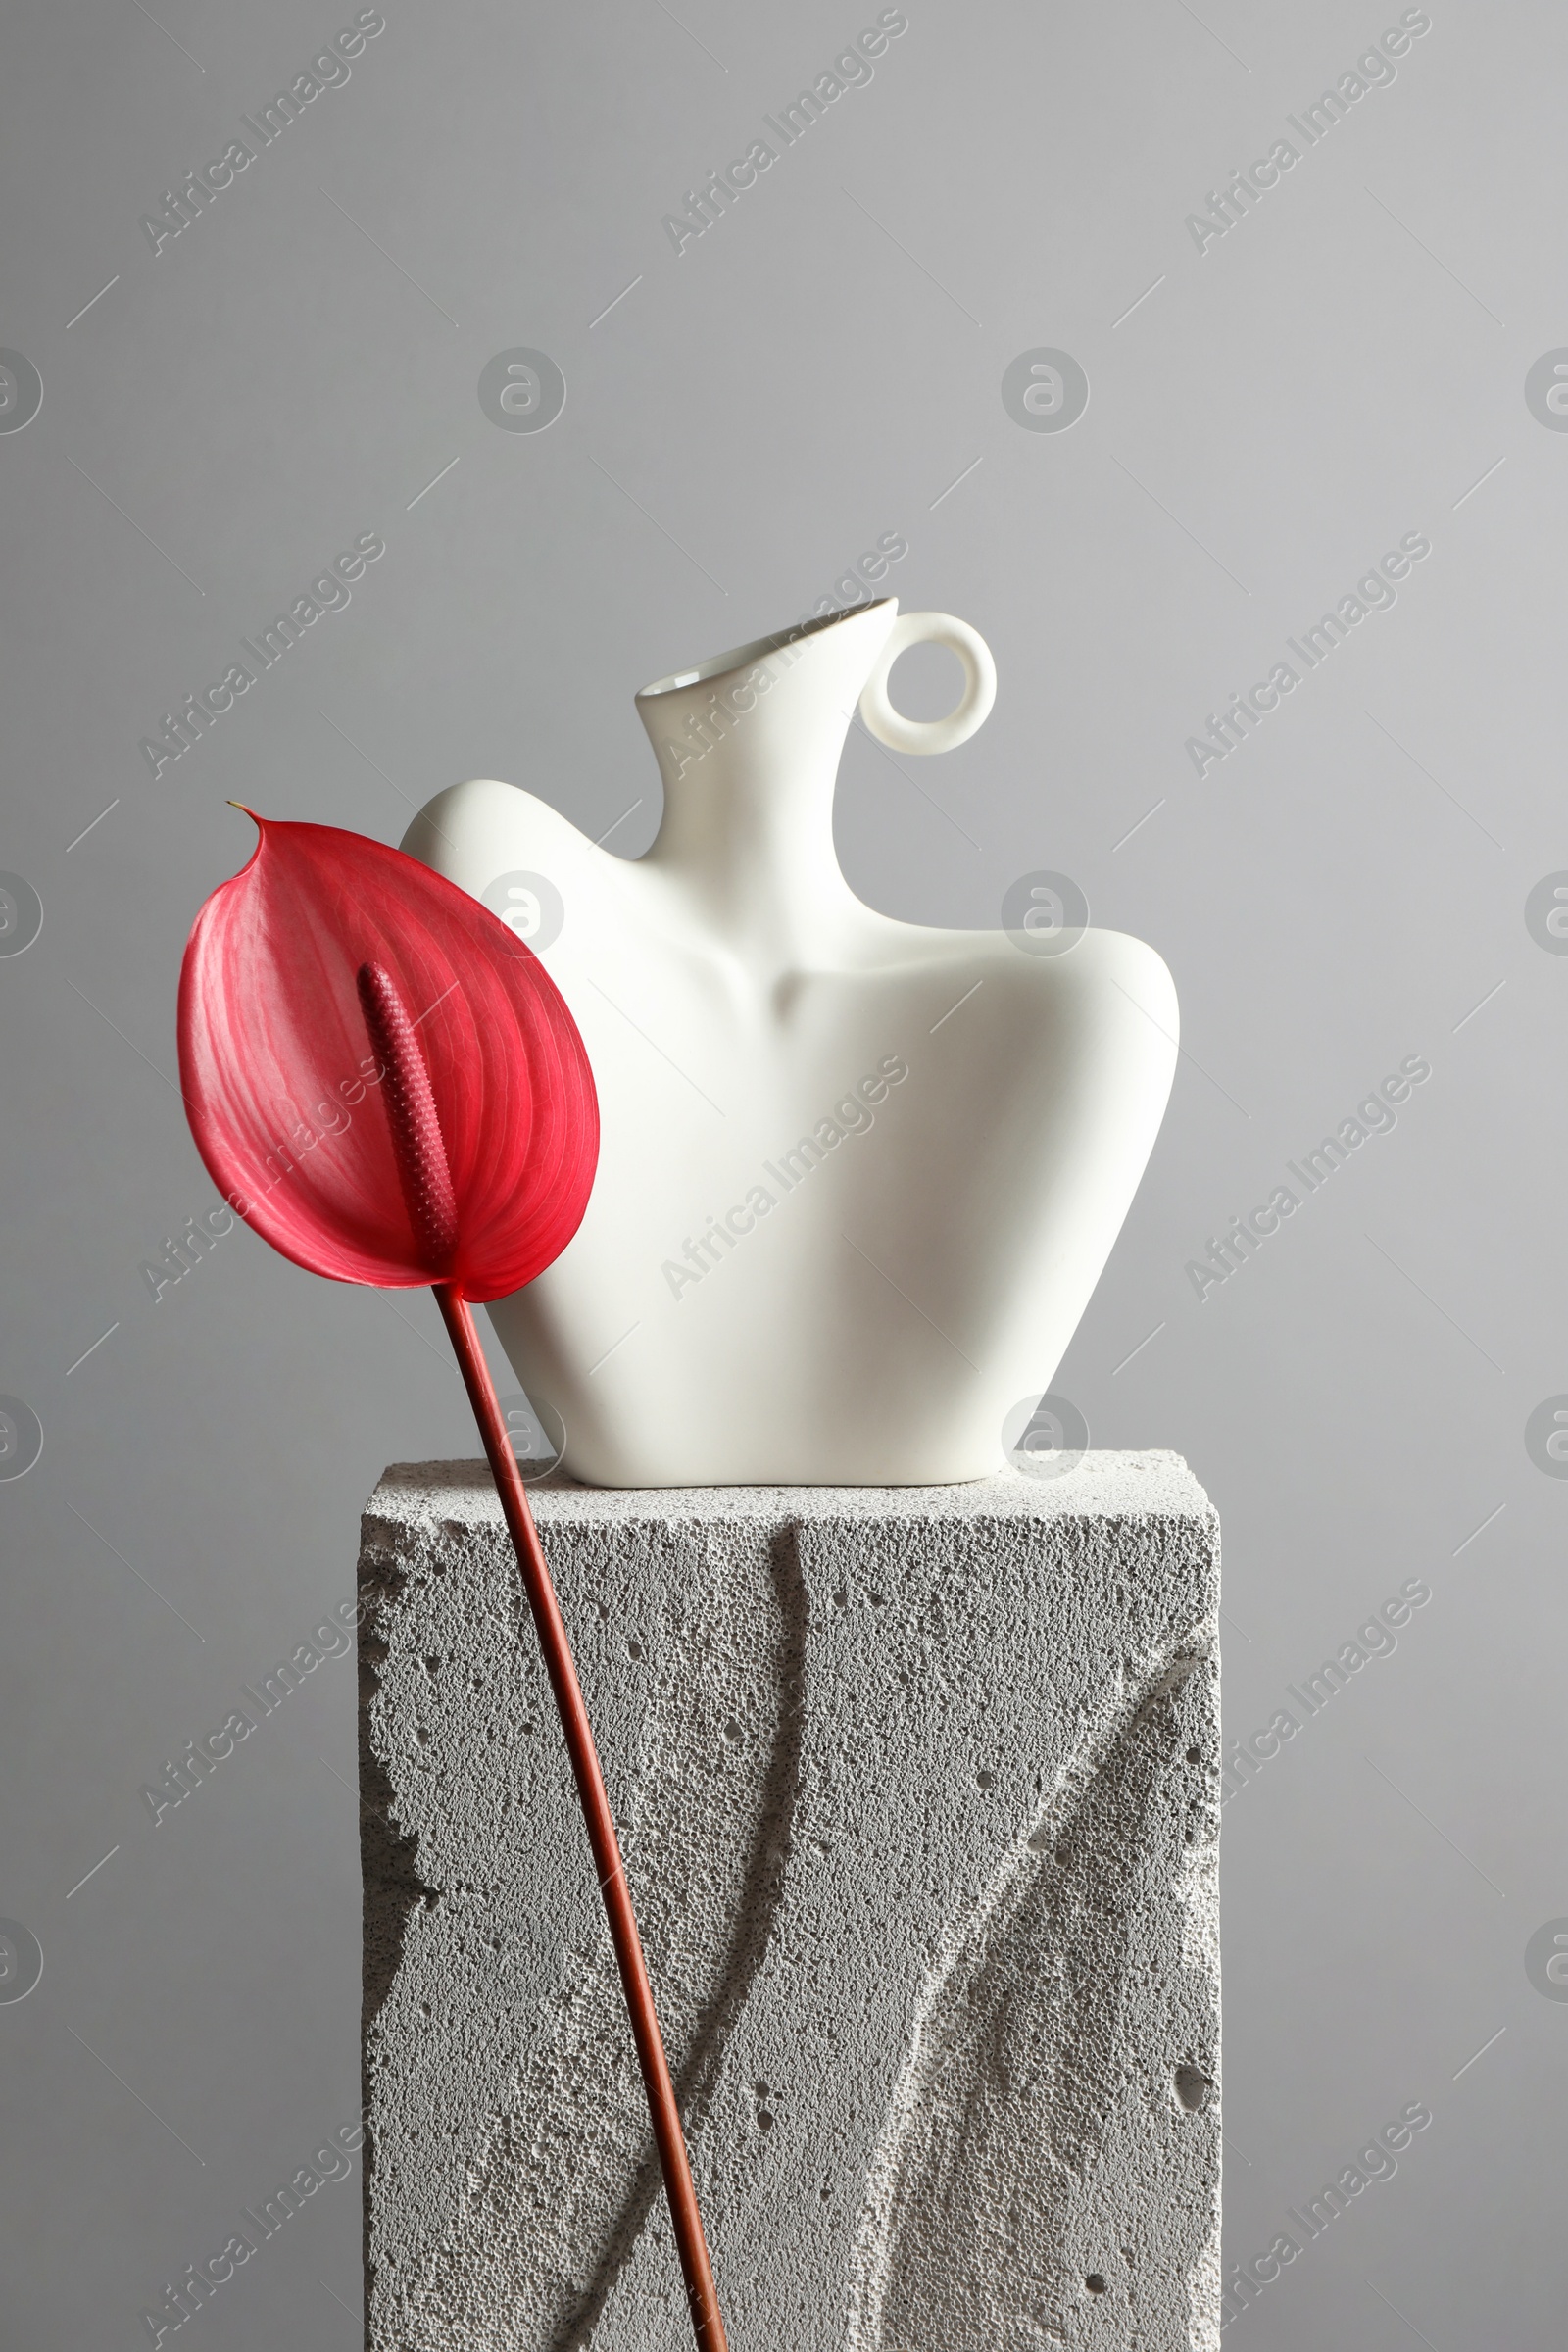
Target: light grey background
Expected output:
[1347,889]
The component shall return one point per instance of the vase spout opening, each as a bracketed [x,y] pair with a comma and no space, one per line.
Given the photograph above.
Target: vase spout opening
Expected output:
[762,652]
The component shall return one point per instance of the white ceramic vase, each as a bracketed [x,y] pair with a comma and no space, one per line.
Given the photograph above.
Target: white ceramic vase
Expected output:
[858,1178]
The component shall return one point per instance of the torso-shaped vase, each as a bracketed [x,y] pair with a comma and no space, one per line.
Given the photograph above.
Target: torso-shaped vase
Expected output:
[858,1178]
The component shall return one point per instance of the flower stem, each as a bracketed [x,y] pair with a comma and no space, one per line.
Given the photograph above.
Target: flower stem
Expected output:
[541,1595]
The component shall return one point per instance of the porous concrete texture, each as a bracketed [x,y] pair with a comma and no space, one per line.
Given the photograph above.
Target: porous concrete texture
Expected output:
[918,1790]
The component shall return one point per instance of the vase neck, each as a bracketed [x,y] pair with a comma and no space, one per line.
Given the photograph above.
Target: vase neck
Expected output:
[747,745]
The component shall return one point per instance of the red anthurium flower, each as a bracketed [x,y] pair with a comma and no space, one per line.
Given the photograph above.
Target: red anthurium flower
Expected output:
[380,1077]
[387,1083]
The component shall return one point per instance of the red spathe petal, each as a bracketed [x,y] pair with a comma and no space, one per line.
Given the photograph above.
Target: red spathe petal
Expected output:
[284,1084]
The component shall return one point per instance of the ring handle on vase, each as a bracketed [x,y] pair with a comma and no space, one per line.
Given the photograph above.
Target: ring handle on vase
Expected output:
[973,706]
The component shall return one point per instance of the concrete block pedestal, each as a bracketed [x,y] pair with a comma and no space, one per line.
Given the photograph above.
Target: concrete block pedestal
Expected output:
[918,1789]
